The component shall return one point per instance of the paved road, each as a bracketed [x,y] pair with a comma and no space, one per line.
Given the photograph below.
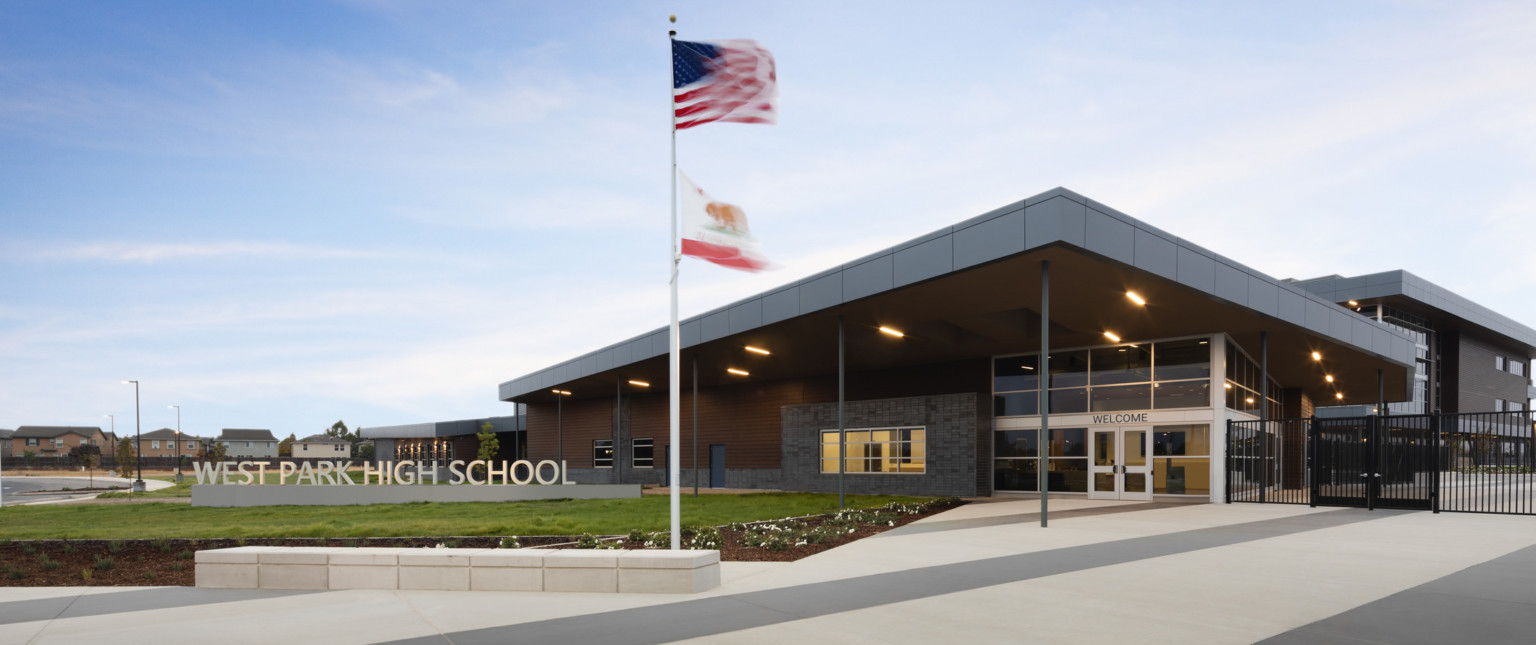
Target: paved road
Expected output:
[33,490]
[1104,572]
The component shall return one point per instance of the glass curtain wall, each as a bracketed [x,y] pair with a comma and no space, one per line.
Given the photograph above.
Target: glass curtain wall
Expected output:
[1162,375]
[1243,384]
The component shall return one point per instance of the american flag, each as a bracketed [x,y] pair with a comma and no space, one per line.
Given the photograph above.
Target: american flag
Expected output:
[728,80]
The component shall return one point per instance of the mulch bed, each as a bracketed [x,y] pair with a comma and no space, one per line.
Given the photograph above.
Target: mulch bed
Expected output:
[118,563]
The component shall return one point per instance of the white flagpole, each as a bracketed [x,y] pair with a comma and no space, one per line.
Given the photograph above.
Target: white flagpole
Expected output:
[673,336]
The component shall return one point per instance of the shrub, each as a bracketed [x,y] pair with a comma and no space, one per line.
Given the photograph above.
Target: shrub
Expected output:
[509,543]
[178,565]
[69,547]
[184,555]
[163,544]
[48,565]
[636,536]
[28,548]
[115,545]
[103,563]
[14,572]
[85,574]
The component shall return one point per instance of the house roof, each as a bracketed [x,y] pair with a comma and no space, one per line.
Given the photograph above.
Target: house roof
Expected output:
[6,434]
[973,290]
[167,433]
[321,438]
[49,432]
[236,434]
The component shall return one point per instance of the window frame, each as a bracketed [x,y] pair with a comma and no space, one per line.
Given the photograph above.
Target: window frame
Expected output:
[634,452]
[902,451]
[598,461]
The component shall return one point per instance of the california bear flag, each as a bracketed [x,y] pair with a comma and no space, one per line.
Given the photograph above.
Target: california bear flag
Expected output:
[717,231]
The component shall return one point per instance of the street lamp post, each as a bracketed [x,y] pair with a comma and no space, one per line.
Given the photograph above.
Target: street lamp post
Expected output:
[178,443]
[138,441]
[112,427]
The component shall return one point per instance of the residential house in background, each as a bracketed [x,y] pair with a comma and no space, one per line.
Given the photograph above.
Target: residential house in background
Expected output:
[54,441]
[322,446]
[5,442]
[248,443]
[163,443]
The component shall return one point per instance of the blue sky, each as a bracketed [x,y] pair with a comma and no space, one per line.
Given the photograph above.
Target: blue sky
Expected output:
[281,214]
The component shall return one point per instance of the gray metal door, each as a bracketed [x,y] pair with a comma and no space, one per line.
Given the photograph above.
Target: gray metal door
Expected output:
[717,466]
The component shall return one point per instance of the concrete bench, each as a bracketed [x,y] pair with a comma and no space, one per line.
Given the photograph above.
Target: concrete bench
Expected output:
[584,570]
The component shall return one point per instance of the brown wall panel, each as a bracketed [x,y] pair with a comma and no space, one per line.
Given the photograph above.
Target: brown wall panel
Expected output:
[746,417]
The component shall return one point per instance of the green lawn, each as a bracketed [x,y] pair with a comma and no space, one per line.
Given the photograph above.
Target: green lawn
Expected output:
[549,517]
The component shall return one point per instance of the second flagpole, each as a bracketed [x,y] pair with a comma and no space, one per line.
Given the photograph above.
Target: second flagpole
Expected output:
[674,360]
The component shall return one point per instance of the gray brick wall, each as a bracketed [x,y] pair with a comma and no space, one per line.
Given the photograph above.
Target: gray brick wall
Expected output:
[951,422]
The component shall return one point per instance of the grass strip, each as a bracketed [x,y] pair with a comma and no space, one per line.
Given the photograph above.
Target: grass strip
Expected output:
[540,517]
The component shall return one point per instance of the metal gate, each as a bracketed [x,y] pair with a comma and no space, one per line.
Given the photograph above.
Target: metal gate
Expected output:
[1475,462]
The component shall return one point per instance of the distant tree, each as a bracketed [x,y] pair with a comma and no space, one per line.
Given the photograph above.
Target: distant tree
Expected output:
[489,444]
[216,451]
[285,447]
[124,457]
[28,456]
[339,430]
[365,452]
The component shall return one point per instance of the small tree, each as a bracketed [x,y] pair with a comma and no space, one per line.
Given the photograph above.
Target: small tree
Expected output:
[215,452]
[91,459]
[489,444]
[339,430]
[285,447]
[124,456]
[365,452]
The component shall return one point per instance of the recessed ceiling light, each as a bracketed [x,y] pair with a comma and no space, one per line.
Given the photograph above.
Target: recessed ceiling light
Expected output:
[1111,335]
[1328,378]
[891,332]
[1316,356]
[1339,396]
[1353,303]
[1136,298]
[1227,385]
[561,392]
[758,350]
[639,383]
[737,371]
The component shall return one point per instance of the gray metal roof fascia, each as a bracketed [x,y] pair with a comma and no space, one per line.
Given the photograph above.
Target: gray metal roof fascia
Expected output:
[1394,345]
[452,428]
[1399,282]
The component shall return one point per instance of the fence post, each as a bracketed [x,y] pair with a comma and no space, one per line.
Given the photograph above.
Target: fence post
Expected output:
[1371,448]
[1434,486]
[1228,476]
[1312,460]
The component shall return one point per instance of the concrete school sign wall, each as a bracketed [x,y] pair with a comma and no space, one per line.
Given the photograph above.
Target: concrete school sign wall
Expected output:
[326,483]
[405,472]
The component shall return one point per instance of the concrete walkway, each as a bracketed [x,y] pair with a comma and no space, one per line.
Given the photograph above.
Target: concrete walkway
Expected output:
[1117,572]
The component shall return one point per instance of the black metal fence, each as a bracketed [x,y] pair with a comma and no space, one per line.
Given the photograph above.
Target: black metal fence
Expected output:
[1482,462]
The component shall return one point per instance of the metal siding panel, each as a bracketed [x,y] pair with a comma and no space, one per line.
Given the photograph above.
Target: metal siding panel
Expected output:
[715,325]
[660,345]
[1159,255]
[1340,326]
[688,333]
[1349,285]
[1110,237]
[1231,283]
[1263,296]
[922,261]
[1196,270]
[867,279]
[747,315]
[781,305]
[640,350]
[1292,307]
[589,366]
[1055,219]
[1381,342]
[989,240]
[1362,332]
[621,355]
[603,360]
[1317,316]
[823,292]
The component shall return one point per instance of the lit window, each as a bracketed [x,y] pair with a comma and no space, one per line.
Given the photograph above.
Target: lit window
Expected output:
[1498,363]
[602,453]
[877,450]
[1516,367]
[642,453]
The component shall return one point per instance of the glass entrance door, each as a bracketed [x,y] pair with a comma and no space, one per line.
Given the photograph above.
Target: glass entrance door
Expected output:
[1119,467]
